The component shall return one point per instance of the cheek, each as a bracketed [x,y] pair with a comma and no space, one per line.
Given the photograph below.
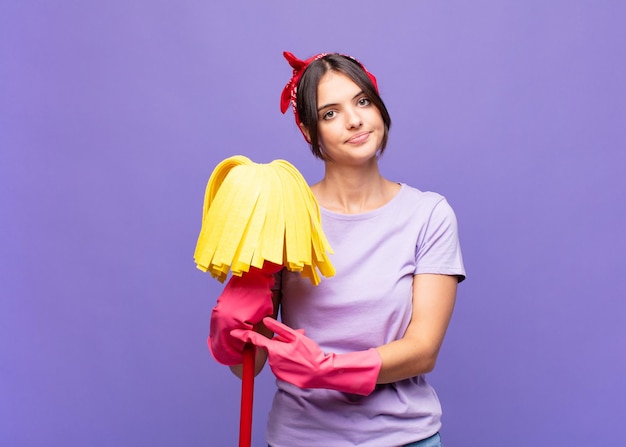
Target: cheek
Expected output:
[377,118]
[329,131]
[322,134]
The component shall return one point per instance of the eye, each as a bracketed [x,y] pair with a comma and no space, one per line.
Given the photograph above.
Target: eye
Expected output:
[329,115]
[364,101]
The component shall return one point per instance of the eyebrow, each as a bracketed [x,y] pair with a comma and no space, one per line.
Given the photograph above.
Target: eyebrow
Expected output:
[319,109]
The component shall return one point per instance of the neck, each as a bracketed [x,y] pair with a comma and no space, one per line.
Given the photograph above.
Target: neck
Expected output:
[353,190]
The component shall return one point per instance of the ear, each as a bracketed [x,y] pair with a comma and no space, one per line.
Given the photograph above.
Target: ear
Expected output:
[305,132]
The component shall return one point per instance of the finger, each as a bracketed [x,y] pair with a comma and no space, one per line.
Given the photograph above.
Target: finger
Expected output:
[251,337]
[282,331]
[240,334]
[245,335]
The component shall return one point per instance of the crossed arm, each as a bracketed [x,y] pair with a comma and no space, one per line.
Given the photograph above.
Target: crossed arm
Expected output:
[416,352]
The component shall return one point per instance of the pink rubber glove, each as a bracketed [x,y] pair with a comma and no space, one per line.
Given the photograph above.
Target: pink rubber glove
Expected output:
[244,302]
[297,359]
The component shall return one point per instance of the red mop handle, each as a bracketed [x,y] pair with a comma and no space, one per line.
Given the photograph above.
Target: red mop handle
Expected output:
[247,396]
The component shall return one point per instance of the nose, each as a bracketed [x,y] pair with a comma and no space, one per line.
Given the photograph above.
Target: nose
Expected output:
[353,118]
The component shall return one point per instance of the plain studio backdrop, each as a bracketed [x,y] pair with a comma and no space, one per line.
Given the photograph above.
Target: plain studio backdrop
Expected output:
[113,115]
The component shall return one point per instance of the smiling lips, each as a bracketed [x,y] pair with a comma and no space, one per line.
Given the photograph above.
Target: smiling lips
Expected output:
[358,138]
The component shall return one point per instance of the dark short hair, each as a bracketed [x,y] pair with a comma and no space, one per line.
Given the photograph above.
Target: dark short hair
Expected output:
[306,97]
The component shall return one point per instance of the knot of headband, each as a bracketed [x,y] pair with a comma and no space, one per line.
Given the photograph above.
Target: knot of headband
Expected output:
[299,66]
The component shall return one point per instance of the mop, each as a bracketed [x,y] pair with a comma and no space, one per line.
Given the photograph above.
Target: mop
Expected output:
[259,216]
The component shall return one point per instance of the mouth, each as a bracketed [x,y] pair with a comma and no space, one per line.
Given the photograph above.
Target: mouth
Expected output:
[359,138]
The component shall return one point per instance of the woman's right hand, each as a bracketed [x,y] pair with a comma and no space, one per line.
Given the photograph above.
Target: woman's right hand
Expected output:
[244,302]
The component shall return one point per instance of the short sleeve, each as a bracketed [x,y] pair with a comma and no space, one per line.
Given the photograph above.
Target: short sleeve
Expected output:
[438,249]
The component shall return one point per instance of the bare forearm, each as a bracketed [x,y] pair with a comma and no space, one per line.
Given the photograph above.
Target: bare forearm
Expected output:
[405,358]
[416,352]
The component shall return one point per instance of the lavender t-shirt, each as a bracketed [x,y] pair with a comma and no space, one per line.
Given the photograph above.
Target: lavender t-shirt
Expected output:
[367,304]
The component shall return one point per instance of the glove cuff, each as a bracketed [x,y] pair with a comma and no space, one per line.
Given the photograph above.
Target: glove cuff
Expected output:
[354,372]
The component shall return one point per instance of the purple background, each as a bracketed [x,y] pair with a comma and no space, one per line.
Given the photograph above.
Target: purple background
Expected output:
[113,115]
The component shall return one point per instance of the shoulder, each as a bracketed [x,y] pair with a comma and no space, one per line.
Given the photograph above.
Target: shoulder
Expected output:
[427,209]
[410,195]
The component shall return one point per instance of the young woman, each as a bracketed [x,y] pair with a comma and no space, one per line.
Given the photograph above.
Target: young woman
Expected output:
[351,353]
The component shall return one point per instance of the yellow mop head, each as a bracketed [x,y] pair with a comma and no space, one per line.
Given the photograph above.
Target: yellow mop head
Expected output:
[260,212]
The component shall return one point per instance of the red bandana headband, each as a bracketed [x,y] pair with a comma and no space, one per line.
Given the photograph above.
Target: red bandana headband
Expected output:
[299,66]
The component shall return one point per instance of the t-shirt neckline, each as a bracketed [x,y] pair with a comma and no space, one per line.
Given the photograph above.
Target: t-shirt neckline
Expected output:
[366,214]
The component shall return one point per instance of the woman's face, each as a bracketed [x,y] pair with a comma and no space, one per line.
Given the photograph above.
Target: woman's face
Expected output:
[350,127]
